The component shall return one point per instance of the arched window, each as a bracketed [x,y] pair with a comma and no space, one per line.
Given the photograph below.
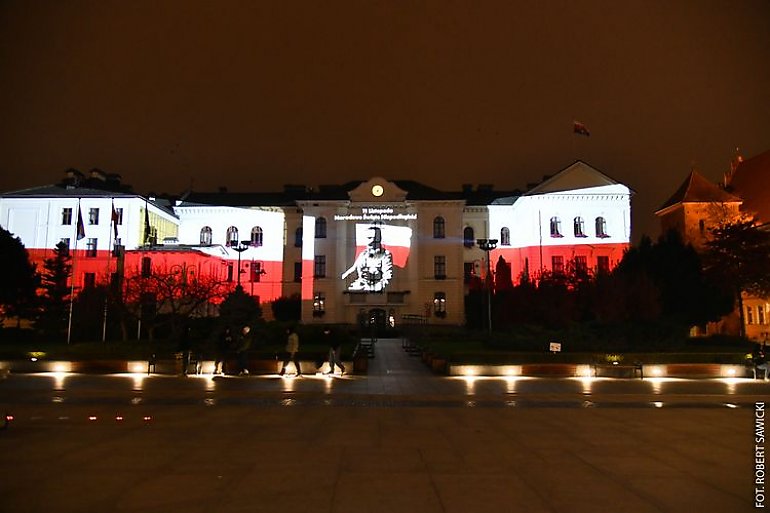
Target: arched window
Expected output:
[232,236]
[601,228]
[439,228]
[298,237]
[468,237]
[206,235]
[256,236]
[556,227]
[580,227]
[505,236]
[320,228]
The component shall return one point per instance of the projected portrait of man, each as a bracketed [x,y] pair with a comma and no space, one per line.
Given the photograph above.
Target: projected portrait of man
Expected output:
[373,266]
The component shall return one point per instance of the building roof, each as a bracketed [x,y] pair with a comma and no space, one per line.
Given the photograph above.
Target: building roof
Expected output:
[751,181]
[697,189]
[577,175]
[483,194]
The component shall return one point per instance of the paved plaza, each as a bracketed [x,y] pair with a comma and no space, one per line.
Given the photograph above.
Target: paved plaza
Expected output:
[398,439]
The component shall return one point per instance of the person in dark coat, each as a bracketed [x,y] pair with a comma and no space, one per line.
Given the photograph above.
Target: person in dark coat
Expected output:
[334,351]
[242,351]
[224,345]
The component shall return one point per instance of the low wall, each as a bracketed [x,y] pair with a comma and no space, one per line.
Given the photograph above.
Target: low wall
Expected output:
[679,370]
[161,366]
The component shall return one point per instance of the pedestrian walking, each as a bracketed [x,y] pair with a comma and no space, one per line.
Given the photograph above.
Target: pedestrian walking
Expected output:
[334,345]
[759,359]
[224,346]
[242,351]
[292,348]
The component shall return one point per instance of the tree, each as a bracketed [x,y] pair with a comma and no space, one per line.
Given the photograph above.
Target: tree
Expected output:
[287,308]
[54,302]
[239,309]
[738,259]
[170,296]
[19,284]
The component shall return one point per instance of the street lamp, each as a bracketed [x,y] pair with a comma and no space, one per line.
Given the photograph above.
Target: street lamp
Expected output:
[488,245]
[240,247]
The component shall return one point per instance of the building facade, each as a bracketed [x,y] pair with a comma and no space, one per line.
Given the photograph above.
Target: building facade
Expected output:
[384,250]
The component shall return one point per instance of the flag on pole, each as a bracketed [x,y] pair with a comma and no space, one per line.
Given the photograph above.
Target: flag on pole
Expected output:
[115,220]
[81,228]
[580,129]
[146,223]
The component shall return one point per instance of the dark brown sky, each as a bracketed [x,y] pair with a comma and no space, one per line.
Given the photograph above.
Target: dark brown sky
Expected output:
[255,94]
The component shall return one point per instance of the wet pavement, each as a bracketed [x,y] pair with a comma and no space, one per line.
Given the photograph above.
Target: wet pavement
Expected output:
[398,438]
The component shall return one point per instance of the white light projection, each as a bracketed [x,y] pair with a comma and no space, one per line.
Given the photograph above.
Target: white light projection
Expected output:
[379,249]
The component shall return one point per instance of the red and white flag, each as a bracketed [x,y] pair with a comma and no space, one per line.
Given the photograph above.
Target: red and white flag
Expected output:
[81,227]
[115,220]
[580,129]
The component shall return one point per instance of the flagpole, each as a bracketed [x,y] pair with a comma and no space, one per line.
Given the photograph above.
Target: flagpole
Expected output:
[109,276]
[72,278]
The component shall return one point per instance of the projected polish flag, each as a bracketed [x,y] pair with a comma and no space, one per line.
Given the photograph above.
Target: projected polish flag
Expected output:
[396,239]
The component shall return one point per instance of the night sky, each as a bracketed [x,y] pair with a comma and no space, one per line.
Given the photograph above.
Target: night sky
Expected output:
[253,95]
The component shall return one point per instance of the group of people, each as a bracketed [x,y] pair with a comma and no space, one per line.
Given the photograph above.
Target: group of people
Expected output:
[242,342]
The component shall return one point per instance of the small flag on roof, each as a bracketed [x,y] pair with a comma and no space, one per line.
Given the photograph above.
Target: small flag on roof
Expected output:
[580,129]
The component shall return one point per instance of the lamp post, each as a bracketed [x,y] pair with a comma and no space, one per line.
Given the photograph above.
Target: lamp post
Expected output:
[488,245]
[240,247]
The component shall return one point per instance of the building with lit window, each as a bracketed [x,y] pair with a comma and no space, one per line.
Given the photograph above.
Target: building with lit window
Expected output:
[384,250]
[698,206]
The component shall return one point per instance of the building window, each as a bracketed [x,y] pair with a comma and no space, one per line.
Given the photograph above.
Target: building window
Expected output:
[232,236]
[256,271]
[761,314]
[297,272]
[89,280]
[749,315]
[505,236]
[206,236]
[91,248]
[603,264]
[468,271]
[439,304]
[601,228]
[702,227]
[468,237]
[146,267]
[439,228]
[93,216]
[65,245]
[66,216]
[557,264]
[439,267]
[319,266]
[298,237]
[556,227]
[580,227]
[581,265]
[256,236]
[319,304]
[230,271]
[118,216]
[320,228]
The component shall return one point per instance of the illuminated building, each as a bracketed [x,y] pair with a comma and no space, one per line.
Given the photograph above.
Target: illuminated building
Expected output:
[698,206]
[382,249]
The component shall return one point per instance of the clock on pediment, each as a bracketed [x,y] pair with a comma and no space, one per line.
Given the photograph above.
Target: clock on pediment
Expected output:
[377,190]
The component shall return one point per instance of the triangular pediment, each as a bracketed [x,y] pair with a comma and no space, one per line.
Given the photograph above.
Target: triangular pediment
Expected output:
[377,189]
[579,175]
